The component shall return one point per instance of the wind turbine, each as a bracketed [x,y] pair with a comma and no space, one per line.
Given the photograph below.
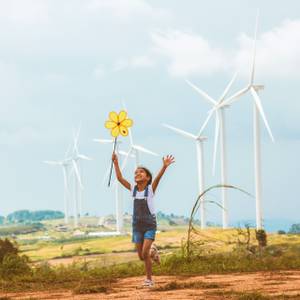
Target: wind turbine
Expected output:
[258,112]
[134,152]
[78,186]
[65,164]
[200,166]
[134,149]
[118,195]
[218,108]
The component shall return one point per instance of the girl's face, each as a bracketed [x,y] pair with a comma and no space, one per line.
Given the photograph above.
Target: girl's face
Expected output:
[141,176]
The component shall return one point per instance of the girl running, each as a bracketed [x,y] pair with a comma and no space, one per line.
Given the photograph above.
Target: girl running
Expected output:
[143,220]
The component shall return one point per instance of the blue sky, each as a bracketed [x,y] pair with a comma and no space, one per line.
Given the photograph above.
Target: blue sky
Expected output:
[65,62]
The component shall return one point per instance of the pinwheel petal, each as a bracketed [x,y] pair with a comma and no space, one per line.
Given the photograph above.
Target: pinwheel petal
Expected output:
[110,124]
[113,116]
[115,131]
[127,123]
[122,116]
[123,130]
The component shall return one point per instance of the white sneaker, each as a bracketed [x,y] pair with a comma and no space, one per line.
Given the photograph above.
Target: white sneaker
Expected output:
[148,283]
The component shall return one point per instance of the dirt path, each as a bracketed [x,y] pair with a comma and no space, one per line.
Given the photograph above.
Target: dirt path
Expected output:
[228,286]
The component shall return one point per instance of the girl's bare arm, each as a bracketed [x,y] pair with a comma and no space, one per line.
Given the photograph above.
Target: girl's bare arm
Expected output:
[167,161]
[120,178]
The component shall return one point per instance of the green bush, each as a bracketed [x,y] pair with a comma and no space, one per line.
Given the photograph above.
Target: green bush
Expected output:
[7,247]
[11,263]
[14,265]
[281,232]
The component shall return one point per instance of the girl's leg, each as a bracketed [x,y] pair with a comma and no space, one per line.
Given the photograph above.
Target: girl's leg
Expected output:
[146,256]
[139,248]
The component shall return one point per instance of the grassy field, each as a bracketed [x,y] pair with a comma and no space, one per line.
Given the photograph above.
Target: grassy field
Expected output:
[45,250]
[214,240]
[92,265]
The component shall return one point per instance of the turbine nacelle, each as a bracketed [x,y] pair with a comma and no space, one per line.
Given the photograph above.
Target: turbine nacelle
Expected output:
[258,87]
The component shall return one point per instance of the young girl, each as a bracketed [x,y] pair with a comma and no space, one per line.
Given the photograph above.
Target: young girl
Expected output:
[144,219]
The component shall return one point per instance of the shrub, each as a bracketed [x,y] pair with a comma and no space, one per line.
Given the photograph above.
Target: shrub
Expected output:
[7,247]
[14,265]
[11,263]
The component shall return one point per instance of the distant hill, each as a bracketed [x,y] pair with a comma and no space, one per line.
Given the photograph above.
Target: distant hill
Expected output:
[26,216]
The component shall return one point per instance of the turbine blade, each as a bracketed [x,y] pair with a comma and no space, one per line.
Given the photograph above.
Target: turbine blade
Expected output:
[68,150]
[261,111]
[235,96]
[123,153]
[124,163]
[180,131]
[254,50]
[217,130]
[228,88]
[103,141]
[75,167]
[76,139]
[206,121]
[142,149]
[84,157]
[129,129]
[202,93]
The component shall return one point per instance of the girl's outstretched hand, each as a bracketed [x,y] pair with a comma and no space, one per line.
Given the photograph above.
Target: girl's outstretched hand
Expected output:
[114,158]
[168,160]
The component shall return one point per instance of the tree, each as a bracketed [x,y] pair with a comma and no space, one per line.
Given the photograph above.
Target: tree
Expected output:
[7,247]
[295,229]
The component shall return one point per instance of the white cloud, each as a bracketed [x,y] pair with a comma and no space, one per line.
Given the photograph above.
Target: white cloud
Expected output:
[26,12]
[188,53]
[277,51]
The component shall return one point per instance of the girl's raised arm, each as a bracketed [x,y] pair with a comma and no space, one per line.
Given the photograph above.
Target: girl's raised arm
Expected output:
[120,178]
[168,160]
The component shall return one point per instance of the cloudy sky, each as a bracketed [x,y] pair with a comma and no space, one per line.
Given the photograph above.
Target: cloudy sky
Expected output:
[65,62]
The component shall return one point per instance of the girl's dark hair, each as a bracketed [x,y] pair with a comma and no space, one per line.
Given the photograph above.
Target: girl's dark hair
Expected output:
[149,174]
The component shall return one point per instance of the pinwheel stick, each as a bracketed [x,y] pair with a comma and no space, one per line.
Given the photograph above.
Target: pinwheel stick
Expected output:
[111,166]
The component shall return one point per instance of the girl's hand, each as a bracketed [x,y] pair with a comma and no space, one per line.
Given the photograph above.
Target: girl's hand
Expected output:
[168,160]
[114,158]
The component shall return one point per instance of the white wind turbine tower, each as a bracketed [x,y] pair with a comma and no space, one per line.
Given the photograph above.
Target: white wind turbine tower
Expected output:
[218,108]
[65,164]
[200,166]
[118,195]
[78,186]
[258,112]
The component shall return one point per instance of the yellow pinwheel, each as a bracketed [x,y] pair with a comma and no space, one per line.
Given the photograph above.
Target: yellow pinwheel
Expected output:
[118,123]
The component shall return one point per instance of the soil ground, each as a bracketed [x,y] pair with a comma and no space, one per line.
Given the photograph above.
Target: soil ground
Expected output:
[224,286]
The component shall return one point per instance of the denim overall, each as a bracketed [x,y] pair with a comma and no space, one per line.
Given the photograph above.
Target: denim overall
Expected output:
[142,219]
